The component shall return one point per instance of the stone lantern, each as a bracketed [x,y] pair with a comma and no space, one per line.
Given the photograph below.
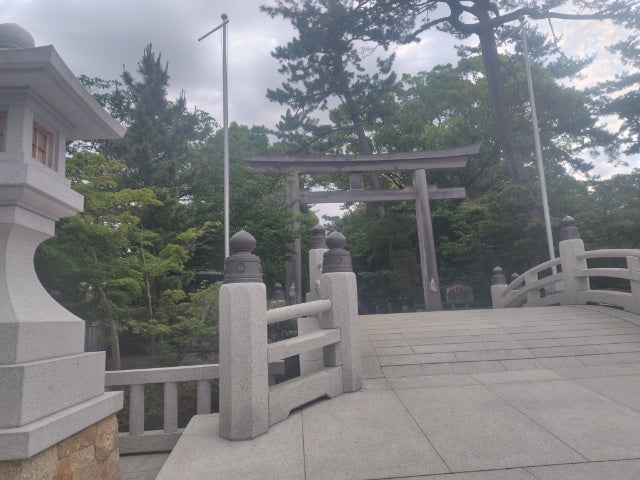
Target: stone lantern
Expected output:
[50,389]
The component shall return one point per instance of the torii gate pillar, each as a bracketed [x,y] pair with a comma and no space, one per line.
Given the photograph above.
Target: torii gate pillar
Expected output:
[427,246]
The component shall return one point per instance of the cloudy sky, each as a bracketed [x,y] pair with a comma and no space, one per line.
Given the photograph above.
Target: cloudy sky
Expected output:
[99,38]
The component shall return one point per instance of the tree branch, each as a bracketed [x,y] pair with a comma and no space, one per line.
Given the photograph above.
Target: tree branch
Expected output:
[457,9]
[542,14]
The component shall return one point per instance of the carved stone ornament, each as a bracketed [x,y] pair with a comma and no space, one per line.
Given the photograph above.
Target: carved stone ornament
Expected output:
[336,259]
[498,277]
[242,266]
[318,240]
[278,292]
[568,229]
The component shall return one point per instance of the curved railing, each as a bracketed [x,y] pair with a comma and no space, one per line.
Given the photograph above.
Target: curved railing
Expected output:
[531,289]
[627,300]
[571,286]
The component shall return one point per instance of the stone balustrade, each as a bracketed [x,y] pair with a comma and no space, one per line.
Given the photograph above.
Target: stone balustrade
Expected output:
[248,405]
[541,285]
[137,440]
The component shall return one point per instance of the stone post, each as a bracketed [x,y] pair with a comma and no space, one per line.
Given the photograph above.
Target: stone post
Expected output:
[515,275]
[338,284]
[533,295]
[277,295]
[244,382]
[498,288]
[312,360]
[570,245]
[633,264]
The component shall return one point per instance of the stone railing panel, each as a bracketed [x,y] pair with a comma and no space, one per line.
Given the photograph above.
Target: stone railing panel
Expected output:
[139,440]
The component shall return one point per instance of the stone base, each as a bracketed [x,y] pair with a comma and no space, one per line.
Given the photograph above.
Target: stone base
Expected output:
[28,440]
[91,453]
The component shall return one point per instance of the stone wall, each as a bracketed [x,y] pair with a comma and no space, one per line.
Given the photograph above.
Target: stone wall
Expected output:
[91,454]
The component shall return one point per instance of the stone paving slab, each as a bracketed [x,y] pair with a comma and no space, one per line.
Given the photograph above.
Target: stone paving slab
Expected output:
[449,347]
[509,474]
[202,455]
[610,359]
[348,438]
[366,348]
[418,358]
[622,389]
[622,347]
[516,376]
[558,362]
[141,467]
[620,470]
[428,381]
[463,367]
[371,368]
[521,364]
[511,354]
[375,384]
[593,371]
[595,426]
[474,429]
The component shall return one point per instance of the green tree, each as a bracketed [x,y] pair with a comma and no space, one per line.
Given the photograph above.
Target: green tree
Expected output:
[324,64]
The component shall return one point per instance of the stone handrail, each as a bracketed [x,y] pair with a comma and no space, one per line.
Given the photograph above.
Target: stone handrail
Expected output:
[572,285]
[629,301]
[529,288]
[290,312]
[137,440]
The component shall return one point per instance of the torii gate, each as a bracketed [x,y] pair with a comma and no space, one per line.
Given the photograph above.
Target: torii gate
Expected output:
[356,166]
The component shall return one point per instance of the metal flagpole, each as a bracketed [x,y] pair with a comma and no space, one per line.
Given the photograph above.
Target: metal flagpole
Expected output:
[225,125]
[536,138]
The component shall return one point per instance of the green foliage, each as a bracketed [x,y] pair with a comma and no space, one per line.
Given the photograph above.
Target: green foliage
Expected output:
[622,95]
[610,218]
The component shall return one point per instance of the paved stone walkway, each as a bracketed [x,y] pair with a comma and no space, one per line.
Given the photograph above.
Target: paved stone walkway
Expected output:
[141,467]
[540,393]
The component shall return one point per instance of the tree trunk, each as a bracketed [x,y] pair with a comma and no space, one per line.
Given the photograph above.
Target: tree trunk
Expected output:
[147,288]
[506,136]
[115,344]
[363,143]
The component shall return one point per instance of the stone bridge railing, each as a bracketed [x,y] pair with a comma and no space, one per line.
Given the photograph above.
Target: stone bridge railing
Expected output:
[248,404]
[571,285]
[137,439]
